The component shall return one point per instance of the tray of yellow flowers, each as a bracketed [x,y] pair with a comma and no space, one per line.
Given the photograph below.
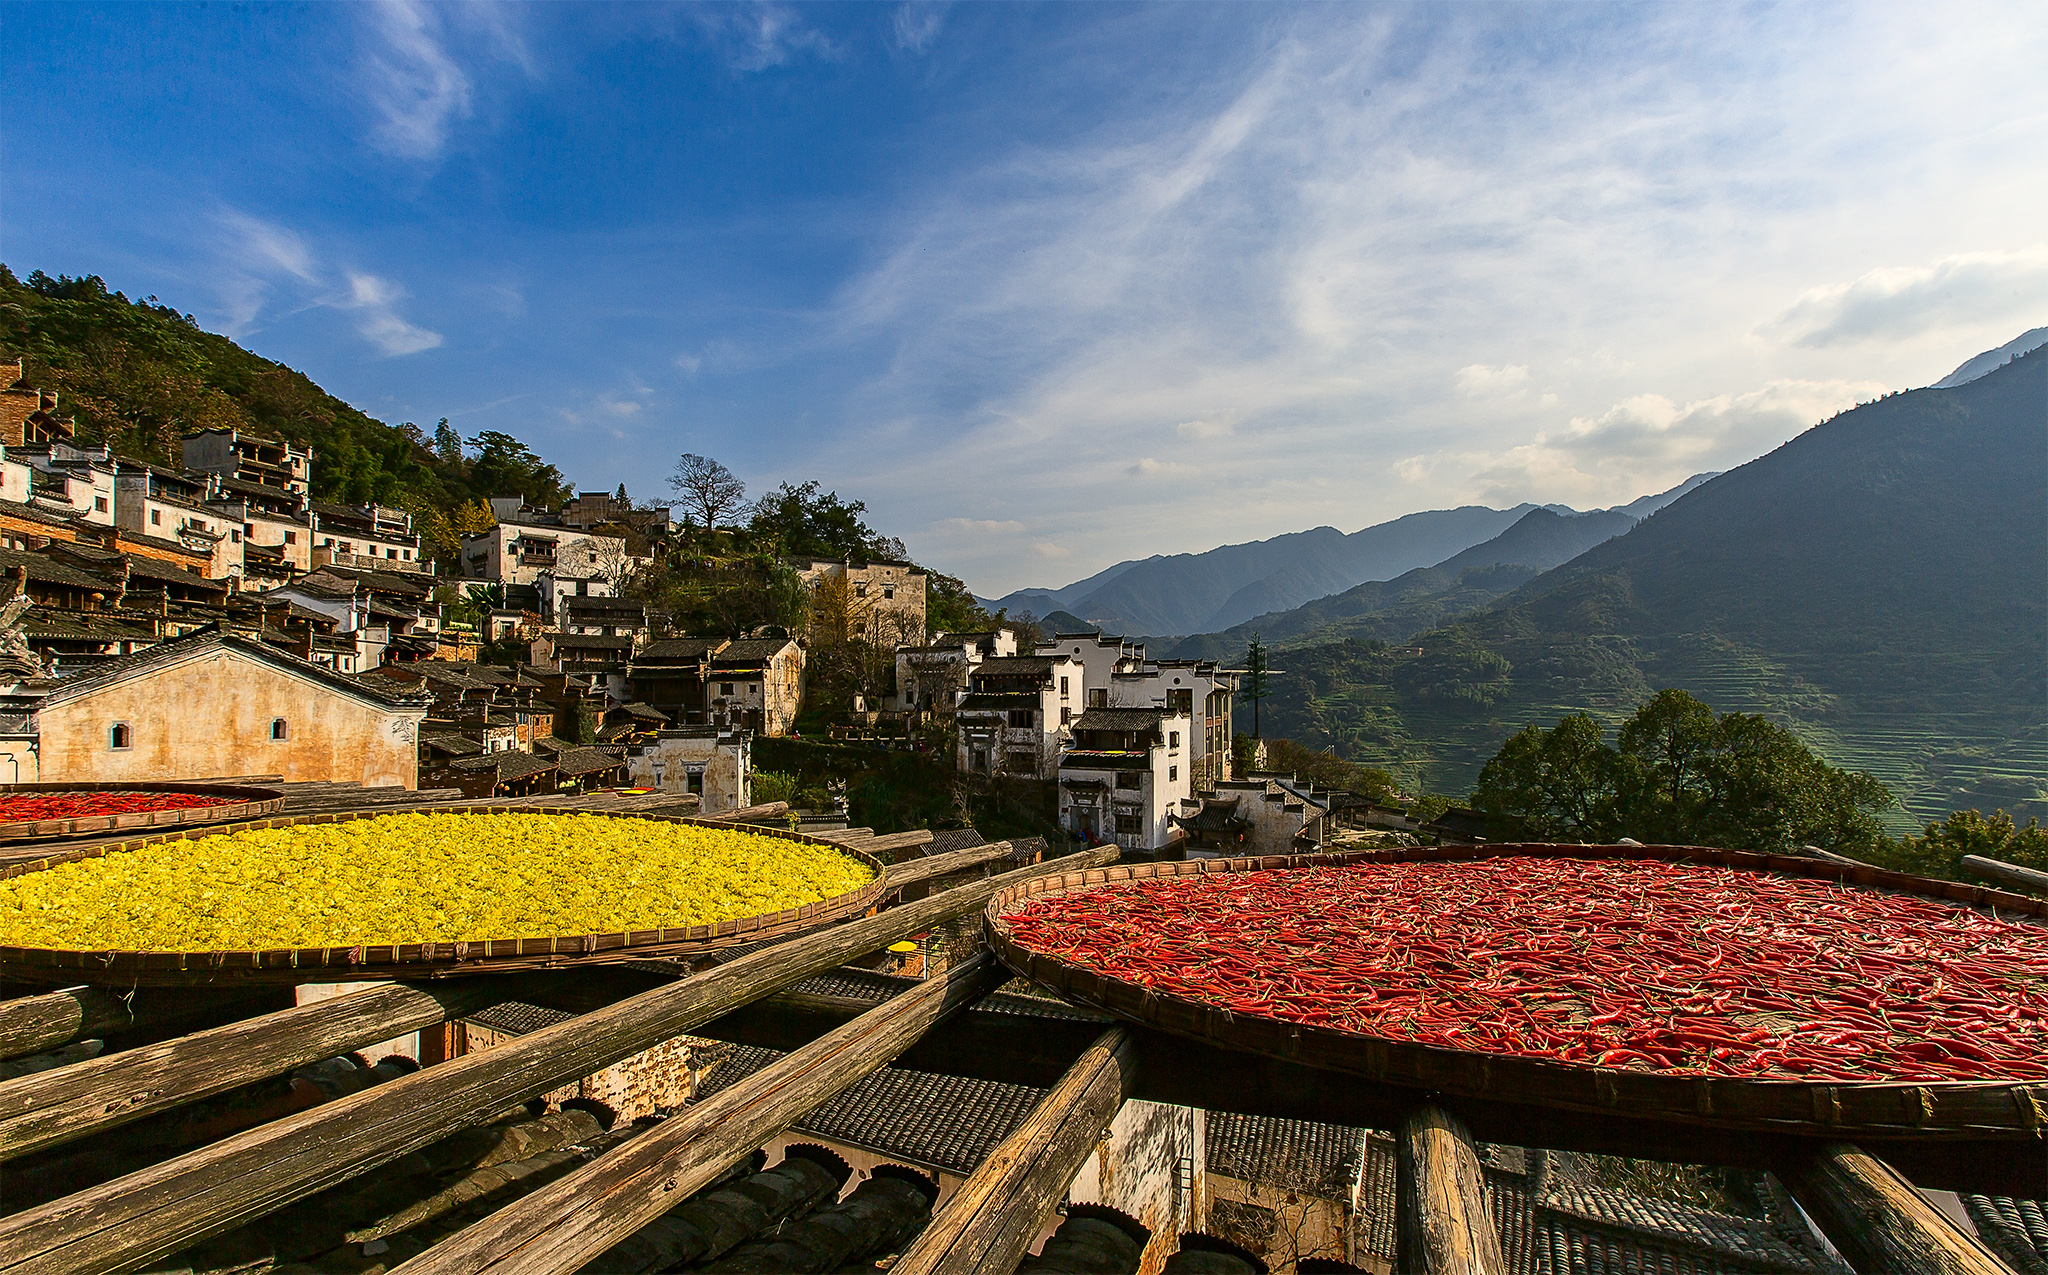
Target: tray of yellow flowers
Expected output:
[326,898]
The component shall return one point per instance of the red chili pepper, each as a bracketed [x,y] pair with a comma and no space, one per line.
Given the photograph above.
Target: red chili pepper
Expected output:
[1623,963]
[22,807]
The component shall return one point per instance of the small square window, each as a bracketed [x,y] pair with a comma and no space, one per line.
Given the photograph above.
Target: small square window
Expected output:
[291,537]
[1173,739]
[280,729]
[99,504]
[156,517]
[1066,715]
[121,737]
[725,688]
[888,590]
[1172,773]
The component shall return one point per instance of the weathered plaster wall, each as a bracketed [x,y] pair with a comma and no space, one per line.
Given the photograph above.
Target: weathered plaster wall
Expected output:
[212,714]
[1152,1167]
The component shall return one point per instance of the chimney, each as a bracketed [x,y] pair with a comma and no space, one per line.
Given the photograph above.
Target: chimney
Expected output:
[305,651]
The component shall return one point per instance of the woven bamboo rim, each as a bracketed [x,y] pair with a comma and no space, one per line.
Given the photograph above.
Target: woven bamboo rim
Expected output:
[410,961]
[1933,1111]
[249,803]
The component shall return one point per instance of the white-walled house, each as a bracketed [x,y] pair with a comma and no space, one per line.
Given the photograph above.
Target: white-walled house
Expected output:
[1125,776]
[1018,713]
[1120,676]
[711,762]
[1261,814]
[521,552]
[932,678]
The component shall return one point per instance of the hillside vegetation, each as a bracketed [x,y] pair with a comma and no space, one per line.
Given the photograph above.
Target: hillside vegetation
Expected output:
[1876,584]
[139,376]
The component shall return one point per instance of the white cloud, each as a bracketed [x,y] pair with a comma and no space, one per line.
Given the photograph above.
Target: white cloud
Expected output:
[416,88]
[1149,467]
[1966,290]
[1648,442]
[1205,429]
[1477,380]
[376,300]
[1047,549]
[916,24]
[978,526]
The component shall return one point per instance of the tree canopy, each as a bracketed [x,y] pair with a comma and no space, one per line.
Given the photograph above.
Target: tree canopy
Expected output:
[1678,774]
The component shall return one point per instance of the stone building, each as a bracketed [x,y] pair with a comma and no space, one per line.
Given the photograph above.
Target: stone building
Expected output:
[29,414]
[1258,815]
[217,704]
[251,459]
[753,684]
[887,598]
[931,678]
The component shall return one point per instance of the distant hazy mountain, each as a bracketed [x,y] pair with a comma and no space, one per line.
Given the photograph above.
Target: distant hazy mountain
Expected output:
[1201,592]
[1990,360]
[1391,610]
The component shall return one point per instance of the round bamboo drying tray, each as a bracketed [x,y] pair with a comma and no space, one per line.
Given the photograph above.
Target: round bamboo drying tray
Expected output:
[247,803]
[412,961]
[1947,1110]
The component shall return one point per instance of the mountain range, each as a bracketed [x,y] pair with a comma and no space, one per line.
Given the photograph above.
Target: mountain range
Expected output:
[1205,592]
[1879,583]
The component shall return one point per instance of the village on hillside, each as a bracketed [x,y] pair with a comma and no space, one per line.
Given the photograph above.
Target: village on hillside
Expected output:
[212,619]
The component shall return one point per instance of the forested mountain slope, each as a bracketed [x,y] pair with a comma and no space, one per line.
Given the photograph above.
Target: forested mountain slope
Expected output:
[1880,583]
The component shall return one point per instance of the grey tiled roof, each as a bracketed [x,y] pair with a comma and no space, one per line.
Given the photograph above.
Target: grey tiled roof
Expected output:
[2017,1230]
[1122,719]
[1295,1153]
[934,1122]
[951,839]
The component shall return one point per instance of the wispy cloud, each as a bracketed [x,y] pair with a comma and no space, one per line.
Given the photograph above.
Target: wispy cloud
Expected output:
[1423,258]
[978,526]
[916,24]
[375,301]
[755,35]
[412,68]
[260,259]
[1970,289]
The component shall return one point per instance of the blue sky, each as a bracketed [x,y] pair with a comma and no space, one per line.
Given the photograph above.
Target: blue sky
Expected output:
[1053,286]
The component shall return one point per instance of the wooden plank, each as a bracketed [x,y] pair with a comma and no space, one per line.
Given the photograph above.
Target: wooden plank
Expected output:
[1876,1220]
[2004,873]
[159,1210]
[767,811]
[939,865]
[894,841]
[55,1107]
[559,1228]
[847,836]
[1441,1223]
[987,1225]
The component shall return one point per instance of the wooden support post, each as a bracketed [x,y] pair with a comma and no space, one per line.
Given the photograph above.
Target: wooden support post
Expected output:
[1441,1223]
[768,811]
[54,1107]
[1876,1220]
[2006,874]
[563,1226]
[157,1211]
[986,1226]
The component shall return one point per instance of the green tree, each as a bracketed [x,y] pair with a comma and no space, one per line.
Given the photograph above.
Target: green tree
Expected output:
[1679,775]
[1556,784]
[1326,769]
[796,519]
[950,608]
[1938,852]
[447,443]
[504,466]
[709,491]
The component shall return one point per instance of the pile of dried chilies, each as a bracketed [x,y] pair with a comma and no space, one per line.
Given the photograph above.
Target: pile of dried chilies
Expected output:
[1610,963]
[83,804]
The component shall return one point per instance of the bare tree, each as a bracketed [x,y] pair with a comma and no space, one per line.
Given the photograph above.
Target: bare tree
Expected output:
[709,490]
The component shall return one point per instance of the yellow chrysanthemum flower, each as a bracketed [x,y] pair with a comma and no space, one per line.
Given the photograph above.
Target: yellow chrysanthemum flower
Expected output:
[415,878]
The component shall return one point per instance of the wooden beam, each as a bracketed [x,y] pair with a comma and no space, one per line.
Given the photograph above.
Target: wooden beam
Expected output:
[32,1024]
[767,811]
[939,865]
[2004,873]
[560,1228]
[987,1225]
[1441,1223]
[892,842]
[846,836]
[54,1107]
[157,1211]
[1876,1220]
